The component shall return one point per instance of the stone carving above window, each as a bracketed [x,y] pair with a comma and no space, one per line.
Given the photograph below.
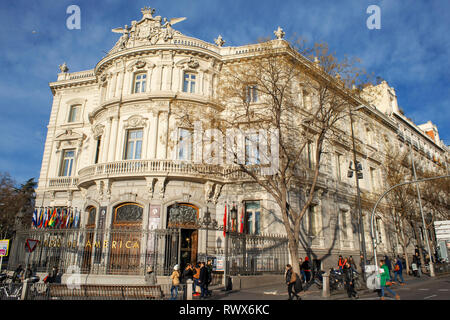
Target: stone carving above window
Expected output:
[69,138]
[136,121]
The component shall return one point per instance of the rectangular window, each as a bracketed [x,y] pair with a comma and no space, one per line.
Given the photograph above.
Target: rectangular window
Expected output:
[251,93]
[252,221]
[134,144]
[97,150]
[140,82]
[338,166]
[344,225]
[74,113]
[189,82]
[67,163]
[184,147]
[309,155]
[312,221]
[373,178]
[251,149]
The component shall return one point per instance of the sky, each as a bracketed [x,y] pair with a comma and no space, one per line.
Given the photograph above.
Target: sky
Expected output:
[410,50]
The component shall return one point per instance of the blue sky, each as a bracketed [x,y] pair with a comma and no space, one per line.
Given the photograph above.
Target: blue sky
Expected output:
[411,51]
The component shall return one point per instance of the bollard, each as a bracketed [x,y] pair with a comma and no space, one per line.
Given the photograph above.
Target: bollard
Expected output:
[189,289]
[25,288]
[325,285]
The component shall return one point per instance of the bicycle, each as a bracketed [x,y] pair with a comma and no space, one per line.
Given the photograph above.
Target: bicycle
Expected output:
[11,290]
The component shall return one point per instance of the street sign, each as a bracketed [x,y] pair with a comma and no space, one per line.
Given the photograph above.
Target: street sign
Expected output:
[4,245]
[442,229]
[31,244]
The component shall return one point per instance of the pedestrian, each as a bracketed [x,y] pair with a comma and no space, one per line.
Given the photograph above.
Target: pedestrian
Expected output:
[175,282]
[306,268]
[209,268]
[293,282]
[361,263]
[341,263]
[398,270]
[388,263]
[302,273]
[384,280]
[150,277]
[203,280]
[416,265]
[196,277]
[349,281]
[352,264]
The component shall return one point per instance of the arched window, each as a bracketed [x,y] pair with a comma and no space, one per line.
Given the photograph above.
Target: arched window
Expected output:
[128,215]
[92,215]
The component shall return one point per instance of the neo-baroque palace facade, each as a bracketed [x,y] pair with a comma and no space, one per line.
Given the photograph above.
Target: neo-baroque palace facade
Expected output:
[110,152]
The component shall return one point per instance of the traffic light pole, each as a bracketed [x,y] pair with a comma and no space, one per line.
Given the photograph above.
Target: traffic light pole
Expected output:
[362,239]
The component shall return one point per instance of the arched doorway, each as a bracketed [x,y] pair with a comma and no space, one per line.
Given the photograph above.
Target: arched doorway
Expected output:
[184,216]
[125,239]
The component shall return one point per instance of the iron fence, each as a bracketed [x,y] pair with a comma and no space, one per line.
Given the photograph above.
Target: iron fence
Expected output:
[90,251]
[257,254]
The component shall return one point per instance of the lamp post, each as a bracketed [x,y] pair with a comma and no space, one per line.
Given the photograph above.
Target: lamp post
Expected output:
[358,175]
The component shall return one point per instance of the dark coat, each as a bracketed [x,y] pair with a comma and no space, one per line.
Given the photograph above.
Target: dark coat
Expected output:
[348,274]
[203,275]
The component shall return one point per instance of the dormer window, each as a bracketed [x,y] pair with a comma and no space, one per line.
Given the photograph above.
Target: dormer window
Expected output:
[74,113]
[140,81]
[189,82]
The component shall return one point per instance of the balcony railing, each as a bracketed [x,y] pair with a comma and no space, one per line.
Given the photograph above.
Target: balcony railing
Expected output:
[63,182]
[158,167]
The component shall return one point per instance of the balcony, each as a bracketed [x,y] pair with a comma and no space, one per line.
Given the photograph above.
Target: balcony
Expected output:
[63,183]
[163,168]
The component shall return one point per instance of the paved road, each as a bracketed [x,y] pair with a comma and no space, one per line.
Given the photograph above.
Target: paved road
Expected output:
[424,288]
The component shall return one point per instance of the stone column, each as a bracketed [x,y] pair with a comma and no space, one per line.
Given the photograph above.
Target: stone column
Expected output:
[113,139]
[154,134]
[105,142]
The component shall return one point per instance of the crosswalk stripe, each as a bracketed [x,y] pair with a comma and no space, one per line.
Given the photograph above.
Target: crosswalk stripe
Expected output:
[434,295]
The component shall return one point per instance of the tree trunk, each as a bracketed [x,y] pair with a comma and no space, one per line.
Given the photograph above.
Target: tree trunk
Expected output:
[419,243]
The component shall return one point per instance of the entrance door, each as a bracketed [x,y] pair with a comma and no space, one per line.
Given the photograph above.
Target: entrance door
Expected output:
[189,247]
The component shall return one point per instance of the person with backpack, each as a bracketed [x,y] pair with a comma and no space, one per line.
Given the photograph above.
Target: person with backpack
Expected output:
[398,270]
[341,263]
[293,283]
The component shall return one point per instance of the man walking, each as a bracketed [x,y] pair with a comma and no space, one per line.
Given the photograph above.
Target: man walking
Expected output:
[398,269]
[349,281]
[203,280]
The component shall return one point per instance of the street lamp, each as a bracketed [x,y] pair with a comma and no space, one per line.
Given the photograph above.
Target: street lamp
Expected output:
[358,175]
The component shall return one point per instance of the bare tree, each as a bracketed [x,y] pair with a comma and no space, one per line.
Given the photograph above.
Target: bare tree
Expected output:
[292,96]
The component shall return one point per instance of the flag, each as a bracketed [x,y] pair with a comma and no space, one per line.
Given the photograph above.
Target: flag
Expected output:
[35,218]
[52,220]
[68,218]
[76,219]
[41,218]
[241,227]
[225,221]
[47,217]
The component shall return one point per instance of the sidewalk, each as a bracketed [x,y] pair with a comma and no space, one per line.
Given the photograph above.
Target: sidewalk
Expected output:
[279,291]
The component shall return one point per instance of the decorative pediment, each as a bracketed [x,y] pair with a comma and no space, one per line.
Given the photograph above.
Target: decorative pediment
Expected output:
[140,64]
[188,63]
[69,138]
[135,121]
[98,130]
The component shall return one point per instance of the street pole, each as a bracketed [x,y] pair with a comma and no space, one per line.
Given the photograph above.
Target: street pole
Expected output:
[362,240]
[421,212]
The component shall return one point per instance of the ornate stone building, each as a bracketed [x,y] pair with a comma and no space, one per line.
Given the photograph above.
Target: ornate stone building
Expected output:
[110,154]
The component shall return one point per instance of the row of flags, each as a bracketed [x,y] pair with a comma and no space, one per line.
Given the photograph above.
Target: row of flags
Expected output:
[56,218]
[233,227]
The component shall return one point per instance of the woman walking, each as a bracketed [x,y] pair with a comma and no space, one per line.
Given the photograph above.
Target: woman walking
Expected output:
[291,279]
[175,282]
[384,278]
